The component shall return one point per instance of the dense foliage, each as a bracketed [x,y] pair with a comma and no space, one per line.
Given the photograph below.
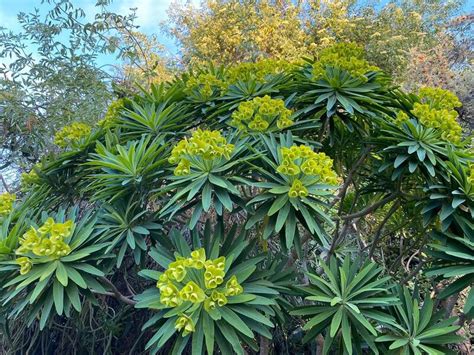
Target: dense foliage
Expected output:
[65,63]
[234,208]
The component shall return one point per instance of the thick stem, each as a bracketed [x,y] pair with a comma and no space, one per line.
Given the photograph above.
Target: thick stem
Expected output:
[371,208]
[320,344]
[378,234]
[450,302]
[413,273]
[116,293]
[264,346]
[342,192]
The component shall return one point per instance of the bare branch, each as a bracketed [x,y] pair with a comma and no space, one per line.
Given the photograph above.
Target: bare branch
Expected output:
[116,293]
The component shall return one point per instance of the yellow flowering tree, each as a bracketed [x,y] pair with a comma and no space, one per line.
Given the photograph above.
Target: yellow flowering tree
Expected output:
[236,31]
[146,61]
[262,114]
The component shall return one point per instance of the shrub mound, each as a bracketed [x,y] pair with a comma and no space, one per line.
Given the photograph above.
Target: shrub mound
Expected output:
[232,206]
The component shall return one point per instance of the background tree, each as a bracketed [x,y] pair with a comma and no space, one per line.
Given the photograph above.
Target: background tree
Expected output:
[51,75]
[227,32]
[146,61]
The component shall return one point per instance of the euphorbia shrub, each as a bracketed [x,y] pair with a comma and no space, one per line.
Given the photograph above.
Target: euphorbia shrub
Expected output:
[233,206]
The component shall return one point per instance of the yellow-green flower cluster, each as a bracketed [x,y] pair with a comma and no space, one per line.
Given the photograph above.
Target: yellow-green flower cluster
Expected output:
[438,98]
[177,286]
[46,241]
[258,114]
[71,133]
[113,112]
[6,203]
[29,179]
[348,56]
[302,160]
[443,119]
[258,70]
[206,84]
[436,110]
[401,118]
[203,144]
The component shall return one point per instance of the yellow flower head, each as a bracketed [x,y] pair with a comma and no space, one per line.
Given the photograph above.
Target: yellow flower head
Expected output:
[47,240]
[197,259]
[401,118]
[177,270]
[298,189]
[207,84]
[113,112]
[162,281]
[61,249]
[178,285]
[72,133]
[217,299]
[438,98]
[445,120]
[46,227]
[347,56]
[59,231]
[233,288]
[192,292]
[6,203]
[259,71]
[29,179]
[169,295]
[470,173]
[44,248]
[203,145]
[261,113]
[214,273]
[303,161]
